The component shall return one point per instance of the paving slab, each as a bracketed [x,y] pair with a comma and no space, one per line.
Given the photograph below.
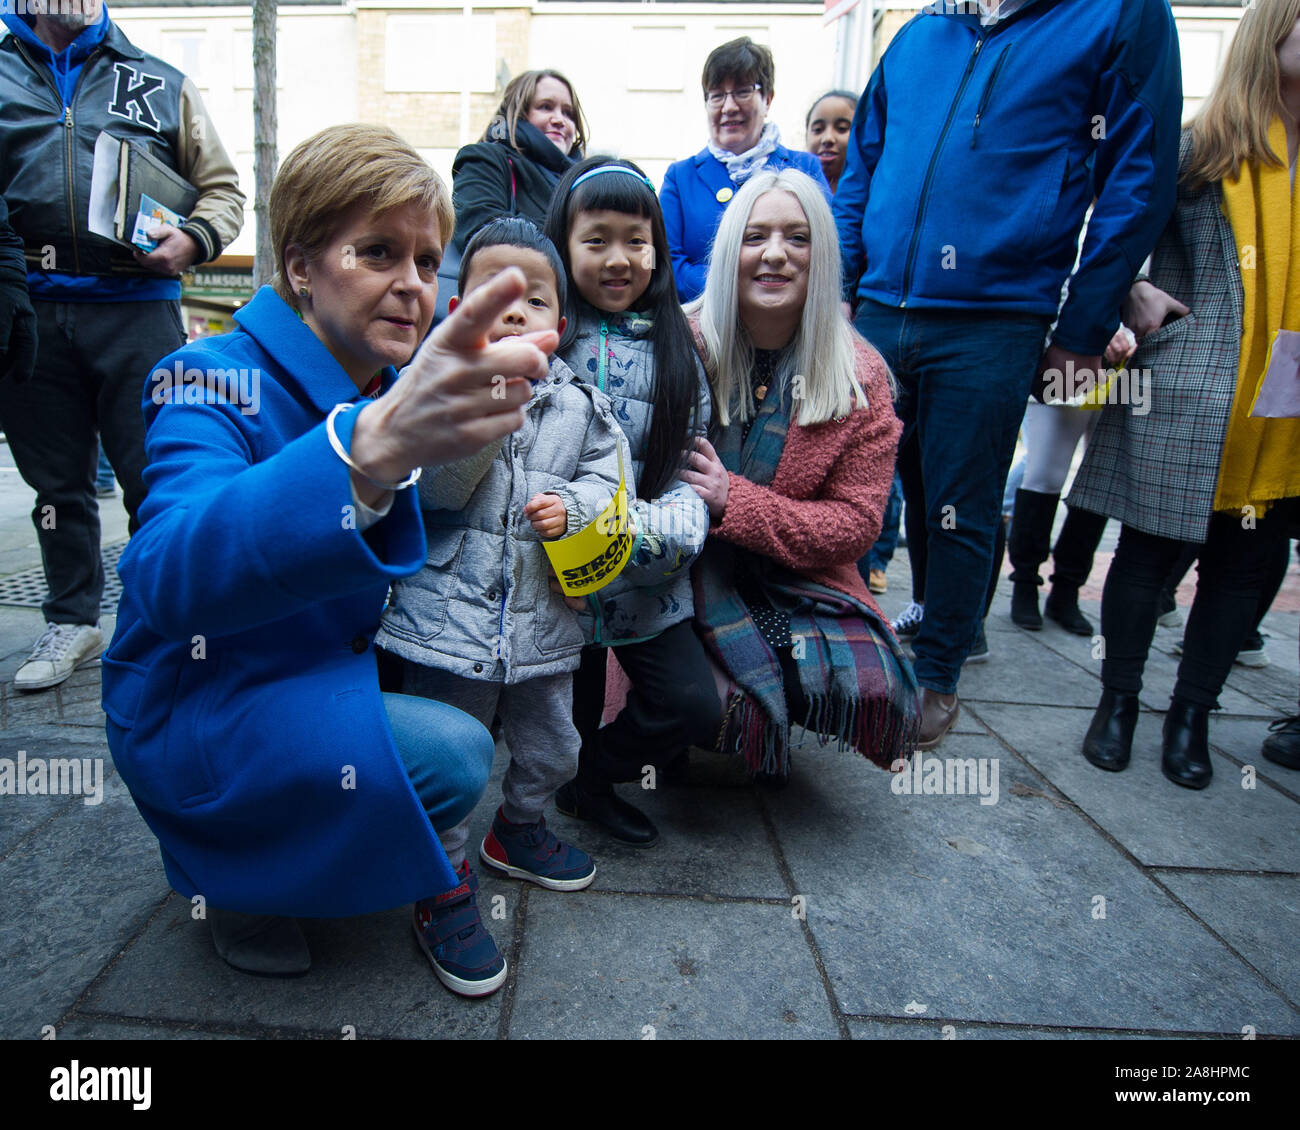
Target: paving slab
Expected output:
[1275,687]
[1025,670]
[1223,826]
[1258,915]
[368,972]
[74,894]
[711,835]
[986,912]
[621,967]
[95,1028]
[947,1030]
[1241,739]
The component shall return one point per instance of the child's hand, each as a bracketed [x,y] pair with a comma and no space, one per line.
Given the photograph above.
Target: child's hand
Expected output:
[1121,346]
[547,514]
[577,603]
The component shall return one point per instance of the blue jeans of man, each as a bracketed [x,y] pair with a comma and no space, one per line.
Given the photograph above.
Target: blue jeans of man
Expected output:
[963,380]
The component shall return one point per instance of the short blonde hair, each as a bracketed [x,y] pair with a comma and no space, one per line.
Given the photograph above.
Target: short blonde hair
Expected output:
[333,171]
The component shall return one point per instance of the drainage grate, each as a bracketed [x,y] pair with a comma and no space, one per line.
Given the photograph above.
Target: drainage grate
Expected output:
[28,590]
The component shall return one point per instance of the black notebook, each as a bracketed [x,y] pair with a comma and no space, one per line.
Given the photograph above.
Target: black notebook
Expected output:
[140,174]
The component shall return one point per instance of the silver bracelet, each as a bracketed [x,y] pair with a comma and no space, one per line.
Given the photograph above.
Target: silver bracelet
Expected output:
[338,450]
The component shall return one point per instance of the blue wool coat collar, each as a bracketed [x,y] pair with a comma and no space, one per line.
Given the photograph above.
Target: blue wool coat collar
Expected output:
[278,329]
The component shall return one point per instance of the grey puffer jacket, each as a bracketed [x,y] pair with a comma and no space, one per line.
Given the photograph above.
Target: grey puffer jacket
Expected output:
[616,354]
[481,607]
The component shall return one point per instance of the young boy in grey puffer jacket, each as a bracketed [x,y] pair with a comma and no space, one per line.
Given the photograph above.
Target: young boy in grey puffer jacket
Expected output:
[480,626]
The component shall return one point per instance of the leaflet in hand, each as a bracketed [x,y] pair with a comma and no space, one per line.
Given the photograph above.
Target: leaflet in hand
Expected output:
[152,214]
[589,559]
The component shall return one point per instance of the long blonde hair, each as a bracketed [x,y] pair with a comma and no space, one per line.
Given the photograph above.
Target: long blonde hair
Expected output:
[1232,125]
[822,350]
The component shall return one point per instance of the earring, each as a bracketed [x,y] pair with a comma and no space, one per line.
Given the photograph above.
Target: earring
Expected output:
[303,292]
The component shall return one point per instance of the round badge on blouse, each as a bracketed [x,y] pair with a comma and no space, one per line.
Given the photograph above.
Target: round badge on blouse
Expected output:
[724,194]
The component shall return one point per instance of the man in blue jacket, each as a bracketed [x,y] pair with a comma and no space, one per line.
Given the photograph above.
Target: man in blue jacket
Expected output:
[104,313]
[982,138]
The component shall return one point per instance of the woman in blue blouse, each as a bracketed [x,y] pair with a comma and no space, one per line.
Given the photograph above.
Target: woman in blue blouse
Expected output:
[738,86]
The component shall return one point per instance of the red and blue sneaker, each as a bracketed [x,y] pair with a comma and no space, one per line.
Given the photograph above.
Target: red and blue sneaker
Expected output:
[450,932]
[531,851]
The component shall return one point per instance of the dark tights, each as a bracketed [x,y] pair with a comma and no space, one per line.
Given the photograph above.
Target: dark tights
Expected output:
[1234,566]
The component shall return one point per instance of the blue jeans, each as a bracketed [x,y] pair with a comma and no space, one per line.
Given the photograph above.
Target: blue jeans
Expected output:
[963,380]
[447,754]
[882,553]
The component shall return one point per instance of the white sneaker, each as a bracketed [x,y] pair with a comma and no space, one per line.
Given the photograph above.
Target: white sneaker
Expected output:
[60,651]
[909,623]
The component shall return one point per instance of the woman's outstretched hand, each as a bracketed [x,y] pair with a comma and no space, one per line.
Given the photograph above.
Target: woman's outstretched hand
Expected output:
[709,478]
[459,392]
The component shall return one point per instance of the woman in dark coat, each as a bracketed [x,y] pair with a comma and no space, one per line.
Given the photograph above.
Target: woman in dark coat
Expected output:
[537,133]
[244,710]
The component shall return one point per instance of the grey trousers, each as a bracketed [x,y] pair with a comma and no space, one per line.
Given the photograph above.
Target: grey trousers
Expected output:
[537,725]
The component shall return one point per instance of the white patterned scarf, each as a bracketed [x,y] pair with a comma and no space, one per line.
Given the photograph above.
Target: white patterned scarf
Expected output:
[742,166]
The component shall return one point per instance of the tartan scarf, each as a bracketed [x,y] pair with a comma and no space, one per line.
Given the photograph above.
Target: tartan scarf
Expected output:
[859,687]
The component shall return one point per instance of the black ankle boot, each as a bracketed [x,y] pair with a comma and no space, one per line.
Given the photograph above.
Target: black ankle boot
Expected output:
[607,810]
[1062,605]
[259,943]
[1109,741]
[1185,751]
[1024,606]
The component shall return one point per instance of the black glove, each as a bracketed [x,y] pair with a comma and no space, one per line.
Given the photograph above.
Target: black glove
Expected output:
[17,334]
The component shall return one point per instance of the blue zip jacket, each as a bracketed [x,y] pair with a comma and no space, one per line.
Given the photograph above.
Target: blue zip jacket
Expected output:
[977,150]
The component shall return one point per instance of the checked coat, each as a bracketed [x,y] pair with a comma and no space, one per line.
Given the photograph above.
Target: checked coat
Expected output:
[1158,472]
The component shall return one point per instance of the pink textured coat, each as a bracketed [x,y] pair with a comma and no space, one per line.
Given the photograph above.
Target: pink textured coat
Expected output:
[824,506]
[823,509]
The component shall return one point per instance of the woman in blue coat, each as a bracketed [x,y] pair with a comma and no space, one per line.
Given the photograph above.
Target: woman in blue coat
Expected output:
[244,710]
[738,86]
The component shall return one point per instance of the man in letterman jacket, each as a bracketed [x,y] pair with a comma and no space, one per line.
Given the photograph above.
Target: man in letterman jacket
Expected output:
[104,313]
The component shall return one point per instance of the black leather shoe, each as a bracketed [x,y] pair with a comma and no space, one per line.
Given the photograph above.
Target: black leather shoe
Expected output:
[1063,607]
[609,812]
[1109,741]
[1283,748]
[1185,751]
[1024,606]
[259,943]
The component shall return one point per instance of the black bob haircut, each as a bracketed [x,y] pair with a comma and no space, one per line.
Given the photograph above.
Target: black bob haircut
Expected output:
[675,394]
[513,231]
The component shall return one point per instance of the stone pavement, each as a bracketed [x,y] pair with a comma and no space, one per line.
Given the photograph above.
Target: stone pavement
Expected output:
[1078,904]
